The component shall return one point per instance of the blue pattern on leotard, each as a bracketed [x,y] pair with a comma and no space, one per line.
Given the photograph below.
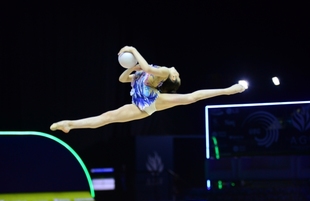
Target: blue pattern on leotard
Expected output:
[142,94]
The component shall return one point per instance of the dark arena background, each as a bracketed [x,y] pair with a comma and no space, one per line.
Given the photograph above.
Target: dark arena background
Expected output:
[58,60]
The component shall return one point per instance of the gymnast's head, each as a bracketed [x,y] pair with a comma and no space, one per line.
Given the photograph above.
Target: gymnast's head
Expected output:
[172,83]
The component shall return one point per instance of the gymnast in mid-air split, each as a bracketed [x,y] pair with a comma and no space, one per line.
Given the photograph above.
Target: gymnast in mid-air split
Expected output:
[153,89]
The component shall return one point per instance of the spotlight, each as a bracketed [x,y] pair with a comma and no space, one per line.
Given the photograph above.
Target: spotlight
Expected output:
[208,184]
[276,81]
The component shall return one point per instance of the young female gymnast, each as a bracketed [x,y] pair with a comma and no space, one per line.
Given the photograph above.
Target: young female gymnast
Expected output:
[153,89]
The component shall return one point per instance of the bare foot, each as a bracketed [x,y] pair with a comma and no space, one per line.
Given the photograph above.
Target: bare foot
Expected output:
[62,125]
[236,88]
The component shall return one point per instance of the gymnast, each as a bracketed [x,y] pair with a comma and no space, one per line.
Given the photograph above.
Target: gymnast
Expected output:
[153,89]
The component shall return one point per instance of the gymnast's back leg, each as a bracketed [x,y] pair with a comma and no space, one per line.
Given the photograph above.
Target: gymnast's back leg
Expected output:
[128,112]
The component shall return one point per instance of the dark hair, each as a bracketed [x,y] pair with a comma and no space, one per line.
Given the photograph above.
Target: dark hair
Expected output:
[169,86]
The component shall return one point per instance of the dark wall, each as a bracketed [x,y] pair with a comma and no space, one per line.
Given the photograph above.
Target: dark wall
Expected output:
[59,61]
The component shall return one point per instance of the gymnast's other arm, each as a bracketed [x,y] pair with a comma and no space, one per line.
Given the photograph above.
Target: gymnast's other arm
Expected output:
[127,75]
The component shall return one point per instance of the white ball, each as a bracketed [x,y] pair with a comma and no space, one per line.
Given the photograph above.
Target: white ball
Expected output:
[127,60]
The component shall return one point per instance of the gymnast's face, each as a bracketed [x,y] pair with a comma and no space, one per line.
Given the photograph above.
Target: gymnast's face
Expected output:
[174,75]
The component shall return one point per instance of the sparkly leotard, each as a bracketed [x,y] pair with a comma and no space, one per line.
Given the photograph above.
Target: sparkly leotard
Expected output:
[144,95]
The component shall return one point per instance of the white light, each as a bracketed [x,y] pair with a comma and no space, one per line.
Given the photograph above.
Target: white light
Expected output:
[104,184]
[256,104]
[208,184]
[244,83]
[207,133]
[276,81]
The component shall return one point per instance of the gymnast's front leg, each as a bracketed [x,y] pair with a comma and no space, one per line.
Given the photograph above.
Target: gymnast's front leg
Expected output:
[125,113]
[166,101]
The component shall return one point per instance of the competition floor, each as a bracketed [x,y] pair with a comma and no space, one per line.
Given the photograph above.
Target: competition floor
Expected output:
[54,196]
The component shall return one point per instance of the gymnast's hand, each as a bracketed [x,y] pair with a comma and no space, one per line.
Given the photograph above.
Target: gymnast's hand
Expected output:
[126,49]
